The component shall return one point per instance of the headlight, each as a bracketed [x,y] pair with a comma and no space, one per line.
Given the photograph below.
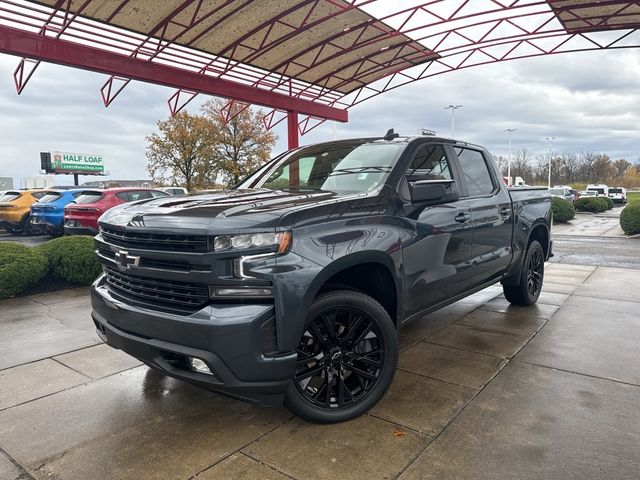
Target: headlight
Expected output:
[279,241]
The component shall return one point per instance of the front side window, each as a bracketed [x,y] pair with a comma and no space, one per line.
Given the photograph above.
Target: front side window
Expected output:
[475,171]
[343,169]
[429,163]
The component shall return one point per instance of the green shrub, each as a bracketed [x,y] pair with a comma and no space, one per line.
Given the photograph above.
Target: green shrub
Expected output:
[609,202]
[72,259]
[630,219]
[20,267]
[591,204]
[563,210]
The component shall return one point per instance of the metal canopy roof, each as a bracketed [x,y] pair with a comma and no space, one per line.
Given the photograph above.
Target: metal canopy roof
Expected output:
[579,16]
[266,35]
[314,57]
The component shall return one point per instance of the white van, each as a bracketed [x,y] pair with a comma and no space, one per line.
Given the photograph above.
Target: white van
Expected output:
[601,189]
[618,195]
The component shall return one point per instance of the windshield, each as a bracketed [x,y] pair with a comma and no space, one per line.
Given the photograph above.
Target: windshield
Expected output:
[615,190]
[557,191]
[88,197]
[9,196]
[50,197]
[340,168]
[596,190]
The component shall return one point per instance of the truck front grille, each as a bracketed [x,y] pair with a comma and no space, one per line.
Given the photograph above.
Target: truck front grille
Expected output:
[157,292]
[155,241]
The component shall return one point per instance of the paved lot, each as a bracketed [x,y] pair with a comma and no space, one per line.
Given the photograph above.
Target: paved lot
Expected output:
[484,391]
[595,240]
[606,224]
[29,240]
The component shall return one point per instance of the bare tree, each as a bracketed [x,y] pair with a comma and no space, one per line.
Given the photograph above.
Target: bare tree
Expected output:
[621,166]
[521,165]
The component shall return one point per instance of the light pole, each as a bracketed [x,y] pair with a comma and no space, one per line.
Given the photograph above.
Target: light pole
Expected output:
[453,109]
[509,131]
[549,140]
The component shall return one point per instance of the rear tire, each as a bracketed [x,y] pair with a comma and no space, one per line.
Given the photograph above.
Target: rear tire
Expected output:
[347,358]
[26,225]
[528,289]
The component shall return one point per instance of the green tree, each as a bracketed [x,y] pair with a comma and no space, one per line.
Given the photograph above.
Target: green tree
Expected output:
[181,151]
[242,143]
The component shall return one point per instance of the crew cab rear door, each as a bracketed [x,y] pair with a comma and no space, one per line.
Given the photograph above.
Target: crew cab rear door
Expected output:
[436,256]
[491,214]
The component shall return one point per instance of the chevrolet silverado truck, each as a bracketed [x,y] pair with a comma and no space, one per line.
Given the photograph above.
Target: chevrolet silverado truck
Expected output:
[292,285]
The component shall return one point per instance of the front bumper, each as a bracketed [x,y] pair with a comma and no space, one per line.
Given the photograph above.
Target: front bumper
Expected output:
[229,338]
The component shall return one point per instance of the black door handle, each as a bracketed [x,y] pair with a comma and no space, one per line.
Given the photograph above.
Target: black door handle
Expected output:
[505,212]
[462,217]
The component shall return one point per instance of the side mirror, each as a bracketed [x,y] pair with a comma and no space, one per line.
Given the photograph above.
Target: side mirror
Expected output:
[434,191]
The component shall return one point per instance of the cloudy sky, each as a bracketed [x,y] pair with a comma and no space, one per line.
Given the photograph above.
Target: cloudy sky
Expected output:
[589,101]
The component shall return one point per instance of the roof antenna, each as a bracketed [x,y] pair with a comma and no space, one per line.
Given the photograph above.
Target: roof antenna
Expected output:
[390,135]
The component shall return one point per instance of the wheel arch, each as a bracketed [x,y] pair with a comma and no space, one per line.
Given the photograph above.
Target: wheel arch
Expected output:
[366,272]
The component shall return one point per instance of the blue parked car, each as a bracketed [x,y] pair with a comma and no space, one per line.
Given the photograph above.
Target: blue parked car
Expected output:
[47,214]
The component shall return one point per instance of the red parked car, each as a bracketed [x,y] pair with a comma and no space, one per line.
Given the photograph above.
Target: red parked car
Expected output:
[81,215]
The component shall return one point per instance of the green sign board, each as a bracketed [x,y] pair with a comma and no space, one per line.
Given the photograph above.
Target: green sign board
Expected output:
[66,162]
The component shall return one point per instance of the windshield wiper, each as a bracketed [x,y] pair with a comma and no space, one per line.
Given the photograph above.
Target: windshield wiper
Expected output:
[345,171]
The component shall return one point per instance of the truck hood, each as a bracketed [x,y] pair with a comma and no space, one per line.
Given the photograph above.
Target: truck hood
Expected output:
[224,212]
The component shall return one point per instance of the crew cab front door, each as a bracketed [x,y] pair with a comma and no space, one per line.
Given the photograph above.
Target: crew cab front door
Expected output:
[437,252]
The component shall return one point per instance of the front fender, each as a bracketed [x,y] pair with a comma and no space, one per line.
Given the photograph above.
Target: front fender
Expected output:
[299,280]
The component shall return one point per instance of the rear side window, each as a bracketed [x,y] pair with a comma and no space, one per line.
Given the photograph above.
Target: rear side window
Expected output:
[38,195]
[133,195]
[475,171]
[615,190]
[157,194]
[49,197]
[88,197]
[9,196]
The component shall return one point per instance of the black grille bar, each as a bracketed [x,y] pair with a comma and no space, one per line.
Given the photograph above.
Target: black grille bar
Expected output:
[163,293]
[155,241]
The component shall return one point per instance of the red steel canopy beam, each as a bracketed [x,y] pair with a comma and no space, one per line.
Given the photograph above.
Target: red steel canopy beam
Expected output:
[62,52]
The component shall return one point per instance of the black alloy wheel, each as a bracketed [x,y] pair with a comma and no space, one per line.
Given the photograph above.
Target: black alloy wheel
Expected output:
[535,272]
[346,358]
[528,289]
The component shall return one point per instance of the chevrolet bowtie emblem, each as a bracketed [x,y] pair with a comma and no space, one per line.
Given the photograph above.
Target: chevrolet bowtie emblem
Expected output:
[126,261]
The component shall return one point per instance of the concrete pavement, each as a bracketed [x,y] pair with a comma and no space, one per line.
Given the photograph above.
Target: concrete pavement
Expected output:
[605,224]
[483,390]
[595,239]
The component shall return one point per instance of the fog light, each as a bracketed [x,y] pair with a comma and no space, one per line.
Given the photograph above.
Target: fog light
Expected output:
[246,292]
[198,365]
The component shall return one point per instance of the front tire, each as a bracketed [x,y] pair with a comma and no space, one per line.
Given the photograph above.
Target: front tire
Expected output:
[528,289]
[347,358]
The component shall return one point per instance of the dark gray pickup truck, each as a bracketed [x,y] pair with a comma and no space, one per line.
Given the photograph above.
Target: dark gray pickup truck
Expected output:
[292,286]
